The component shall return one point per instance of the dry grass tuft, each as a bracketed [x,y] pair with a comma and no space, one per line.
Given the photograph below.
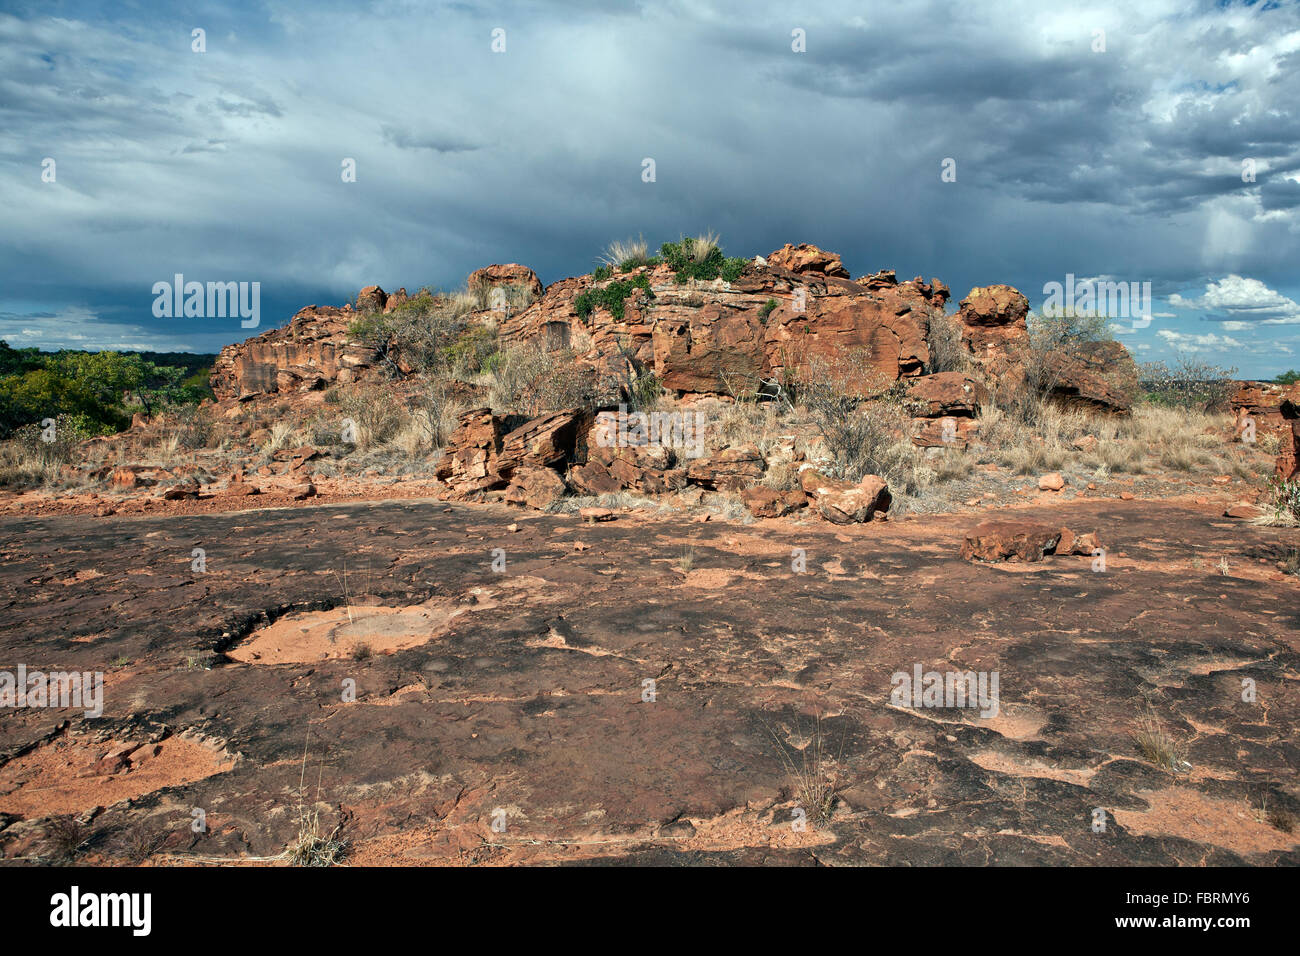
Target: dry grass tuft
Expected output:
[1158,747]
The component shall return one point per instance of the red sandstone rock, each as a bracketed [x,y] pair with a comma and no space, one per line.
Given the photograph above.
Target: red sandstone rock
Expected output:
[371,299]
[947,393]
[185,488]
[312,350]
[764,502]
[510,273]
[1010,540]
[948,432]
[807,258]
[534,486]
[730,469]
[841,502]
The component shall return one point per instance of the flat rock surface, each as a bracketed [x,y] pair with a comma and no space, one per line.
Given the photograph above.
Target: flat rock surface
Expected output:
[523,696]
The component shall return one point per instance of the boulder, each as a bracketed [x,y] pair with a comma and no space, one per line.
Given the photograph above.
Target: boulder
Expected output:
[534,486]
[764,502]
[510,273]
[842,502]
[946,394]
[1052,481]
[807,258]
[395,300]
[1010,540]
[371,299]
[1070,543]
[125,479]
[948,432]
[186,488]
[729,470]
[1098,376]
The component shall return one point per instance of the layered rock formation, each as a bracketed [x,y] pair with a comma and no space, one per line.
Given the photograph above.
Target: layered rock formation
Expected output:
[784,318]
[309,353]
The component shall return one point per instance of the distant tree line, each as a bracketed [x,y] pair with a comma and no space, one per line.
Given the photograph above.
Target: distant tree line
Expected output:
[98,391]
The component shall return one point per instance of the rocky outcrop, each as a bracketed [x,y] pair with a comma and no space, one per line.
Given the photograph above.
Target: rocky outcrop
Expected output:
[1288,452]
[807,258]
[992,324]
[1099,376]
[510,273]
[469,463]
[717,337]
[310,353]
[947,393]
[1257,408]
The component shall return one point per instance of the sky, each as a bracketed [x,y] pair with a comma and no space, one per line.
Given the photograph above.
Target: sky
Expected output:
[979,142]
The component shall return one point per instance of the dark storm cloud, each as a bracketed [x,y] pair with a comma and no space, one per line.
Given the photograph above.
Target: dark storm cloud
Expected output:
[226,165]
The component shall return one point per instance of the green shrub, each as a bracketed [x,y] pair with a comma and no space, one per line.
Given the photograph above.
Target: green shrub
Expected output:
[701,259]
[611,297]
[469,353]
[768,308]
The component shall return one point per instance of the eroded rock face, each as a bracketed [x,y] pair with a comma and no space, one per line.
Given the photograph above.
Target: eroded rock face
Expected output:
[992,324]
[1100,376]
[1288,453]
[510,273]
[715,337]
[309,353]
[807,258]
[947,393]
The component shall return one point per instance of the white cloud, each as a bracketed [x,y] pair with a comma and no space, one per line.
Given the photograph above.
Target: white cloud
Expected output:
[1193,342]
[1242,298]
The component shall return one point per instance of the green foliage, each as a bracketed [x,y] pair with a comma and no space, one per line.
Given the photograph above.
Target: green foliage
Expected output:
[768,308]
[470,353]
[100,389]
[612,297]
[695,259]
[1288,378]
[602,273]
[425,334]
